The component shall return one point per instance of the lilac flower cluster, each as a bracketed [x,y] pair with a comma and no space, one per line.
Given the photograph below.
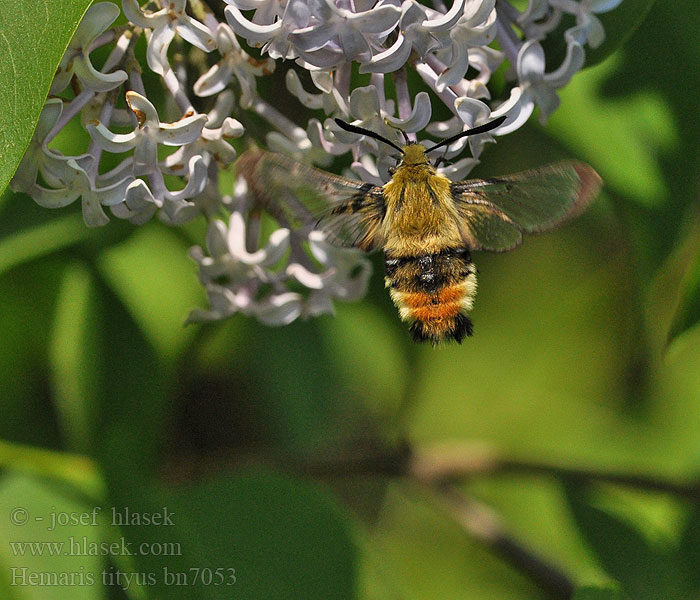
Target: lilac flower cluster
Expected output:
[454,51]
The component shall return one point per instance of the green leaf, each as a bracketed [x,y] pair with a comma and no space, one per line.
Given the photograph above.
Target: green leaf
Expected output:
[40,240]
[134,387]
[156,280]
[673,304]
[111,388]
[689,551]
[622,137]
[644,571]
[34,38]
[72,350]
[72,469]
[33,547]
[279,537]
[28,295]
[619,24]
[597,593]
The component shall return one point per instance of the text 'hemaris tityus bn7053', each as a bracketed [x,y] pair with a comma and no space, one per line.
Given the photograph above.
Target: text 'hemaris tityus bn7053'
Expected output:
[426,224]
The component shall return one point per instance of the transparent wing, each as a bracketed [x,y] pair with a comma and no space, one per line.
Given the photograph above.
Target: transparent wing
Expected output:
[350,212]
[495,212]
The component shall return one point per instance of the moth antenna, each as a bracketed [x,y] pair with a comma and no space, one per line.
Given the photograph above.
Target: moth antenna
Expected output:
[367,132]
[476,130]
[403,133]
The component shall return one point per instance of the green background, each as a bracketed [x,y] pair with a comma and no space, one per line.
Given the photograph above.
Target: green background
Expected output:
[586,355]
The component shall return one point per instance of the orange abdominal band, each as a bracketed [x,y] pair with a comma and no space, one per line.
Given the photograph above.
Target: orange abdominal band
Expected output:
[427,307]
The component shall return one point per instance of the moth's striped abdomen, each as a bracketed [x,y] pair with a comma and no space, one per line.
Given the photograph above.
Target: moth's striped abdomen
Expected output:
[433,292]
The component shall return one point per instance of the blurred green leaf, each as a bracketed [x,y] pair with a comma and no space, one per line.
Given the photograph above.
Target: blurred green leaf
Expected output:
[72,351]
[27,296]
[378,372]
[689,551]
[416,551]
[673,304]
[292,382]
[73,469]
[284,538]
[644,571]
[54,551]
[135,390]
[34,37]
[597,593]
[621,137]
[40,240]
[156,280]
[619,24]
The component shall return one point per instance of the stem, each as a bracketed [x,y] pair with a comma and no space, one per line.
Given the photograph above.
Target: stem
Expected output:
[69,111]
[507,40]
[428,74]
[279,121]
[483,524]
[179,95]
[450,462]
[403,98]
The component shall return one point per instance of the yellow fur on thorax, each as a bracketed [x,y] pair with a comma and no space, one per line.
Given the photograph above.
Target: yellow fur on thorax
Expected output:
[420,215]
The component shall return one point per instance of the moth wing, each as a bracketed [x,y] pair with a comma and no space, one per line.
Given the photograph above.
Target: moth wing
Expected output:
[495,212]
[349,212]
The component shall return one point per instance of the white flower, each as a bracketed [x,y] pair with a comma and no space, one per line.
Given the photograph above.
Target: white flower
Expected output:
[266,29]
[149,132]
[234,62]
[588,28]
[76,60]
[79,185]
[418,32]
[232,275]
[539,87]
[139,204]
[476,28]
[346,276]
[164,23]
[38,157]
[392,41]
[348,31]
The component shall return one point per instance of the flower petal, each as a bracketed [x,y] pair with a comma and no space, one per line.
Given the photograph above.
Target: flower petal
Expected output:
[313,38]
[183,131]
[531,62]
[196,33]
[196,181]
[279,309]
[93,214]
[214,80]
[97,19]
[111,142]
[145,111]
[364,102]
[113,194]
[53,198]
[249,30]
[392,59]
[379,20]
[132,11]
[157,51]
[448,20]
[420,115]
[575,57]
[518,109]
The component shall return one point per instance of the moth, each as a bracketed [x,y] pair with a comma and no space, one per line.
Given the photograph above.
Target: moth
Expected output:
[426,225]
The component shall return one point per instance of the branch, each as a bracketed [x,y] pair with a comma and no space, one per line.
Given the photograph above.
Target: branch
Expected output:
[455,461]
[482,523]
